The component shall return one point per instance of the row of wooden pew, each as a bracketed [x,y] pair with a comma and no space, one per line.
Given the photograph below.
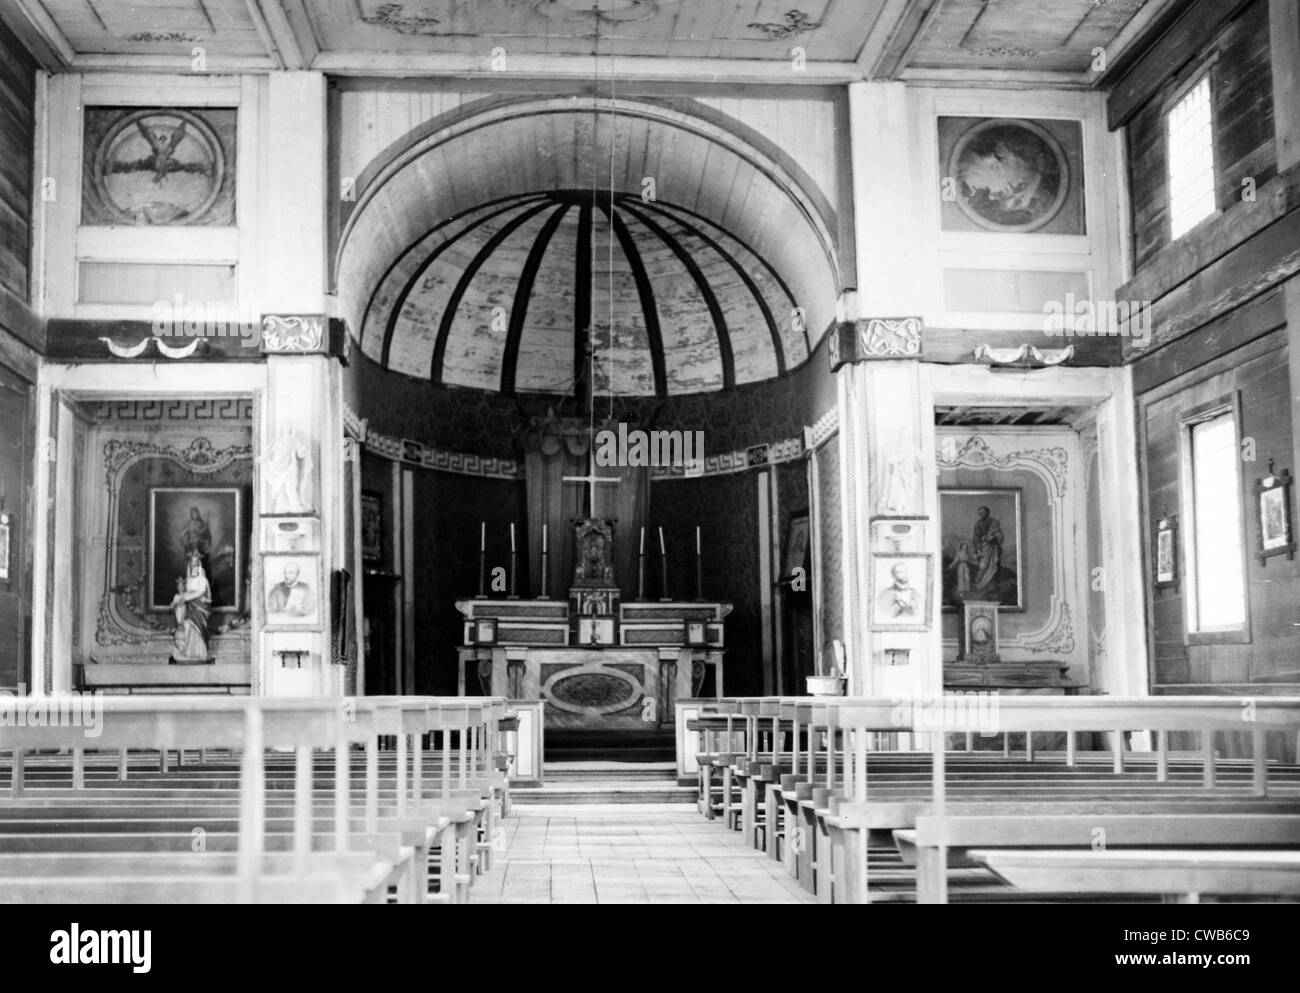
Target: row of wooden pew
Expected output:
[216,800]
[823,785]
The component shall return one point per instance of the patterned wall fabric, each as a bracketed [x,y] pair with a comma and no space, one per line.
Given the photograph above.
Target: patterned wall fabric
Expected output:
[486,424]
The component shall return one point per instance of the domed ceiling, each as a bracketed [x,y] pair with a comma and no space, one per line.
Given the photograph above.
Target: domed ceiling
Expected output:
[513,251]
[498,299]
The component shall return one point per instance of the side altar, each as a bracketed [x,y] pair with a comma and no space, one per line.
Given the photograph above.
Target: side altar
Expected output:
[599,663]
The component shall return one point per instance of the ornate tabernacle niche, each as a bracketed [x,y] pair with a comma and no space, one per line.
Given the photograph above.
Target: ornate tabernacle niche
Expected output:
[165,478]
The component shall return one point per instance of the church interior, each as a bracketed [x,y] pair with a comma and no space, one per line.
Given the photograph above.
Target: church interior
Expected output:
[650,451]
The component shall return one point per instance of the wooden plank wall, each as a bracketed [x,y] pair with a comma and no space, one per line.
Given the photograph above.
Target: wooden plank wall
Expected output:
[1210,340]
[17,127]
[15,479]
[1243,120]
[17,130]
[1258,374]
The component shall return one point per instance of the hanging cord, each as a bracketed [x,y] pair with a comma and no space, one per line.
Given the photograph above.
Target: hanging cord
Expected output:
[609,241]
[591,245]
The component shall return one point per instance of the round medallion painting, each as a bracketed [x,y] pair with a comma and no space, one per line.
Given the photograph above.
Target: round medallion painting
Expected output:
[1011,175]
[159,167]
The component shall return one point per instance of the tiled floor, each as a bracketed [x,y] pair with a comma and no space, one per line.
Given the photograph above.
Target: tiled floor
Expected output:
[627,853]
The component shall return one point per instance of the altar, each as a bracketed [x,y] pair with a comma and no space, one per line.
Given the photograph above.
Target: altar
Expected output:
[621,671]
[600,651]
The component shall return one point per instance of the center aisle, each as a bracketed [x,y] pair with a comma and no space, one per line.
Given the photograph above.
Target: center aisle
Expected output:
[627,853]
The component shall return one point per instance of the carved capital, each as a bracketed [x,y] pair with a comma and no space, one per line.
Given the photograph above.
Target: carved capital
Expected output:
[293,334]
[870,338]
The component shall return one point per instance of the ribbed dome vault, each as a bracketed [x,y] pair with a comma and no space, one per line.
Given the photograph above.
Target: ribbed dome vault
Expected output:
[502,297]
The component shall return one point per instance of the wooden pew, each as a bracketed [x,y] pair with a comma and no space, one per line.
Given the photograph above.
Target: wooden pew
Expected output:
[300,725]
[1186,875]
[1212,811]
[903,782]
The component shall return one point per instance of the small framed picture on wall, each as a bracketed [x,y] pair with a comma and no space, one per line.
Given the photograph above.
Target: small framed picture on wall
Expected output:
[291,591]
[1166,552]
[1273,504]
[372,526]
[902,586]
[4,548]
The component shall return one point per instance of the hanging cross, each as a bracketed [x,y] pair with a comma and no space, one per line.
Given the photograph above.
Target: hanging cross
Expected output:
[591,479]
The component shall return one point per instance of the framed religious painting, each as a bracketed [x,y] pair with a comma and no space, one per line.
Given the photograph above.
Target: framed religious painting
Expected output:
[982,539]
[372,527]
[1273,506]
[1166,552]
[159,166]
[796,544]
[203,521]
[901,590]
[291,591]
[1012,176]
[4,548]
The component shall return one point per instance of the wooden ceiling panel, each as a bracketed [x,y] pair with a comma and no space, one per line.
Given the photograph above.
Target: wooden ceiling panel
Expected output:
[1059,36]
[156,27]
[829,30]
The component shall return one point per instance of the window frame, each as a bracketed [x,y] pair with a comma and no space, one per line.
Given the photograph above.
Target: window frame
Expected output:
[1229,404]
[1180,87]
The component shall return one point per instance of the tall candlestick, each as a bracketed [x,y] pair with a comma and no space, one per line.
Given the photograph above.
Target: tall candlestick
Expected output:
[662,550]
[699,567]
[543,539]
[482,561]
[512,539]
[640,568]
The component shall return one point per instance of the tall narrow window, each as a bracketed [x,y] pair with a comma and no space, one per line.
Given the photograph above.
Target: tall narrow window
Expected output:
[1216,533]
[1191,159]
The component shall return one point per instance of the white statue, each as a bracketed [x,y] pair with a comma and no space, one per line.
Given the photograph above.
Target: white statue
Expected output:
[286,468]
[191,607]
[902,467]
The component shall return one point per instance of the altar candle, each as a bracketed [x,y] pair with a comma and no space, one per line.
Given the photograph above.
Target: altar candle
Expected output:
[482,536]
[697,539]
[662,550]
[543,537]
[643,539]
[512,539]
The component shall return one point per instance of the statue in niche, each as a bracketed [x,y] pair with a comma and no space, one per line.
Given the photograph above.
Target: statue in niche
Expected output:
[191,607]
[286,467]
[902,468]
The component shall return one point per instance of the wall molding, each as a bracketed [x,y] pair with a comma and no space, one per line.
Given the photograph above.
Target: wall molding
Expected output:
[410,452]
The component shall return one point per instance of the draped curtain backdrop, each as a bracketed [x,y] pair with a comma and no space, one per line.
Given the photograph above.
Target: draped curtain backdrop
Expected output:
[553,449]
[628,503]
[556,447]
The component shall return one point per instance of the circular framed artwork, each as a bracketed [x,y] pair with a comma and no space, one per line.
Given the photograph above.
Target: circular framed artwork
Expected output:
[1011,176]
[159,167]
